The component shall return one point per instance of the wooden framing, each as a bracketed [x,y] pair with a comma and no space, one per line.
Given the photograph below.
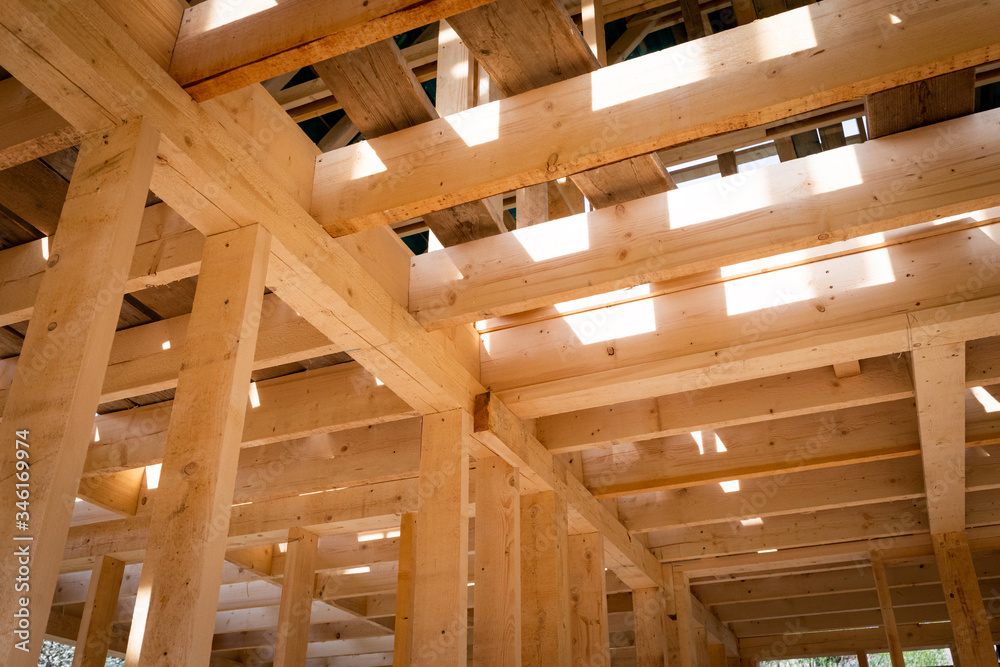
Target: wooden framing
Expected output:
[612,422]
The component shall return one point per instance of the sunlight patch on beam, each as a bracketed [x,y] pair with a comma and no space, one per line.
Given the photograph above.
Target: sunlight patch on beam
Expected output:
[153,475]
[756,521]
[366,162]
[223,13]
[986,399]
[731,486]
[615,322]
[719,447]
[699,441]
[795,29]
[833,170]
[555,239]
[477,126]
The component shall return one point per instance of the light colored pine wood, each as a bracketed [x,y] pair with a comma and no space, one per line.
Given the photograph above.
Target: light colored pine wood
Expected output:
[497,641]
[649,609]
[972,635]
[292,641]
[590,644]
[939,382]
[687,639]
[221,48]
[888,614]
[532,205]
[94,637]
[29,128]
[173,620]
[545,603]
[847,369]
[55,395]
[592,15]
[440,568]
[402,647]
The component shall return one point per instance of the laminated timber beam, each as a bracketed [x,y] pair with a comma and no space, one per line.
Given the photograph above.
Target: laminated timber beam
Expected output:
[53,399]
[843,321]
[29,128]
[682,233]
[609,106]
[221,47]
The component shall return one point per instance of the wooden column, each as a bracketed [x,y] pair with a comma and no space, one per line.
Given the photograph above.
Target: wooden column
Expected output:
[94,638]
[649,612]
[457,78]
[174,616]
[701,646]
[694,22]
[545,636]
[56,388]
[592,15]
[962,594]
[402,644]
[888,615]
[441,566]
[686,628]
[588,595]
[296,599]
[532,205]
[497,640]
[862,659]
[717,655]
[727,164]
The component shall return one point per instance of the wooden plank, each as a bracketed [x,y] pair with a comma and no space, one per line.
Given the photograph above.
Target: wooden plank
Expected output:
[592,15]
[545,601]
[35,193]
[972,635]
[53,399]
[532,205]
[625,247]
[694,25]
[920,103]
[292,640]
[342,204]
[588,620]
[498,564]
[686,624]
[173,624]
[221,48]
[440,568]
[649,610]
[30,128]
[939,382]
[402,646]
[888,615]
[94,638]
[847,369]
[727,164]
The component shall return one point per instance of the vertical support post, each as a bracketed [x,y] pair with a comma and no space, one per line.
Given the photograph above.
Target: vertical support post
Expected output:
[296,599]
[545,637]
[694,22]
[964,599]
[497,640]
[57,383]
[888,615]
[862,659]
[592,13]
[686,627]
[717,655]
[174,615]
[649,612]
[727,164]
[456,87]
[441,566]
[532,205]
[701,646]
[402,644]
[94,636]
[591,644]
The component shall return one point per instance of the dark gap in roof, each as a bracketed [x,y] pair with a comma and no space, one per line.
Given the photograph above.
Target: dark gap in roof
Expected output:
[303,75]
[417,242]
[988,97]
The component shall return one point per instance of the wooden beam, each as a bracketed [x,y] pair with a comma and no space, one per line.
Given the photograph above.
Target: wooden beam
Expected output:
[440,568]
[346,201]
[686,624]
[649,612]
[939,381]
[532,205]
[221,48]
[700,237]
[54,397]
[545,598]
[592,15]
[888,615]
[588,619]
[94,637]
[969,620]
[694,25]
[30,128]
[498,564]
[172,623]
[292,640]
[920,103]
[402,647]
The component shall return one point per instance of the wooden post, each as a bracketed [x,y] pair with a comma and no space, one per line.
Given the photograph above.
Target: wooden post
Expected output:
[717,655]
[862,659]
[727,164]
[497,640]
[591,645]
[648,610]
[694,22]
[296,599]
[701,646]
[545,637]
[457,77]
[964,599]
[592,14]
[56,388]
[174,616]
[532,205]
[99,613]
[441,566]
[402,643]
[686,629]
[888,615]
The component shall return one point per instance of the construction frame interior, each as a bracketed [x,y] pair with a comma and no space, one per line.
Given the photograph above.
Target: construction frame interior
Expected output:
[598,333]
